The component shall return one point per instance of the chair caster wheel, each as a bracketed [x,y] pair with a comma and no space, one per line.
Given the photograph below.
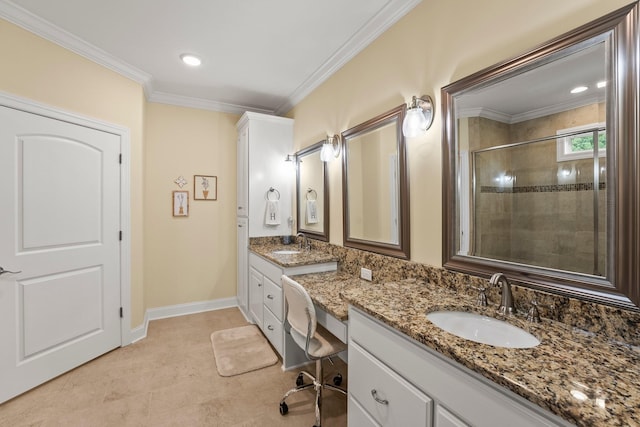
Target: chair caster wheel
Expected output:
[284,408]
[299,380]
[337,380]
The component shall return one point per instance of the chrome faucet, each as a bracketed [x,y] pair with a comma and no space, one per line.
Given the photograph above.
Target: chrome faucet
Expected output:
[304,243]
[506,303]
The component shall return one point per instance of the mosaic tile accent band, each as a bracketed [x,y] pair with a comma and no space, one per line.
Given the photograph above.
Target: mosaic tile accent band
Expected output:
[557,188]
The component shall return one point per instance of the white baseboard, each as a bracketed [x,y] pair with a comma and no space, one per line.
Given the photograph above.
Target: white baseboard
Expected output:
[140,332]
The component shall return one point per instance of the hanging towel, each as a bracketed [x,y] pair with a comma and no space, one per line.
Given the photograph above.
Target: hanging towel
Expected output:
[272,215]
[312,212]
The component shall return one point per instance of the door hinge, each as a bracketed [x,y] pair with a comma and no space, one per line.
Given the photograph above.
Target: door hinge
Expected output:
[120,158]
[120,235]
[121,313]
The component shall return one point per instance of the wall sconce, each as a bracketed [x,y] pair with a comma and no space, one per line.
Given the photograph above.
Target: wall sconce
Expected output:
[419,116]
[290,162]
[331,148]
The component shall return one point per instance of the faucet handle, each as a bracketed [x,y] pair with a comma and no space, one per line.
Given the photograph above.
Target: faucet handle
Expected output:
[533,315]
[482,296]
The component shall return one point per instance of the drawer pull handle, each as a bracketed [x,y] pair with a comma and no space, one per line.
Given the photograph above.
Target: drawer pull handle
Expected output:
[269,327]
[374,393]
[270,296]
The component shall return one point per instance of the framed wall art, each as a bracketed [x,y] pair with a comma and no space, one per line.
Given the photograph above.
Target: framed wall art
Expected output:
[205,187]
[180,203]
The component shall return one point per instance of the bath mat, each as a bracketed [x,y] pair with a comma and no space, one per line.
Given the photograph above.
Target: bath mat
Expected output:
[240,350]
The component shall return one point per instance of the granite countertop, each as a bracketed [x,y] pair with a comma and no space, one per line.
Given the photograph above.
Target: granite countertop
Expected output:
[581,377]
[325,289]
[303,257]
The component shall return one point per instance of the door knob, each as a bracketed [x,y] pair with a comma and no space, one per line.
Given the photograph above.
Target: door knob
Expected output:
[3,271]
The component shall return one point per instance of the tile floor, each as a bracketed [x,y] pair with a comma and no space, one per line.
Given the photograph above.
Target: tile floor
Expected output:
[170,379]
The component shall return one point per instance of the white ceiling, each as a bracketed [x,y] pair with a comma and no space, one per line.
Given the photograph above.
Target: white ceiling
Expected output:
[544,89]
[257,55]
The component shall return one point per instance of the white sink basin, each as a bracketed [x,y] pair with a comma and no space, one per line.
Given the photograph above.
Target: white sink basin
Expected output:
[483,329]
[286,252]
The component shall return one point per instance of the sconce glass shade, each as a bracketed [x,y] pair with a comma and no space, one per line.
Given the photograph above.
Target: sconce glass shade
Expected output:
[418,117]
[330,148]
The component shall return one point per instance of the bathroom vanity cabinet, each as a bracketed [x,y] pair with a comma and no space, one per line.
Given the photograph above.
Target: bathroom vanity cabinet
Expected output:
[394,380]
[267,304]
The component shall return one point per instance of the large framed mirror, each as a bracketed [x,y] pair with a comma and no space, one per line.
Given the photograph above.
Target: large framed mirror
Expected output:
[540,169]
[312,195]
[375,190]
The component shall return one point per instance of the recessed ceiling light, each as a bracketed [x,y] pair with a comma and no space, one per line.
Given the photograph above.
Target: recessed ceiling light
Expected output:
[601,84]
[190,59]
[579,89]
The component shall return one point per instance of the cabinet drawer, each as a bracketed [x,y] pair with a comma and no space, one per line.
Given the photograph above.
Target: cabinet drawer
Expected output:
[357,416]
[273,330]
[270,270]
[398,402]
[273,298]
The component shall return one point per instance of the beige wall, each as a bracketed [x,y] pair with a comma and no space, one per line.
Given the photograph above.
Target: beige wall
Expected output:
[42,71]
[437,43]
[165,142]
[189,259]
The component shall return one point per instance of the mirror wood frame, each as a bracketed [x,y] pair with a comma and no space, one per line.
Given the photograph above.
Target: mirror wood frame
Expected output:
[621,286]
[402,248]
[324,236]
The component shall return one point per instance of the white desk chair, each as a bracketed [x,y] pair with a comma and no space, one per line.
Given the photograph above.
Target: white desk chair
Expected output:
[317,342]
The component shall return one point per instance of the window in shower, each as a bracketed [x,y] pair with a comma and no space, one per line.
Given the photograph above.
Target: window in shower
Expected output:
[578,142]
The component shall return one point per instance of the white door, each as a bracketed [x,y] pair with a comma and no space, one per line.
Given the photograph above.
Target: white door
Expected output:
[59,227]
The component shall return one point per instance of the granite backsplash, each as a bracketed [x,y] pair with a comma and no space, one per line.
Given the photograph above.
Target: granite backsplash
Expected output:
[614,323]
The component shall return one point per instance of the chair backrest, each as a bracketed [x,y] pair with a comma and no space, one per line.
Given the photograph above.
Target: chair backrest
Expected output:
[301,314]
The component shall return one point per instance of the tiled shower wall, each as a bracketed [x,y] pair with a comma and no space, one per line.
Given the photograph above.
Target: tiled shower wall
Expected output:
[529,206]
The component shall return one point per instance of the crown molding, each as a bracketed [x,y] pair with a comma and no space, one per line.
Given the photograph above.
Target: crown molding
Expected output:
[498,116]
[202,104]
[389,15]
[33,23]
[558,108]
[486,113]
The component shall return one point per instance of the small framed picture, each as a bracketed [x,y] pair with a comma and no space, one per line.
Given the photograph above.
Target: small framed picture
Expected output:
[180,203]
[205,187]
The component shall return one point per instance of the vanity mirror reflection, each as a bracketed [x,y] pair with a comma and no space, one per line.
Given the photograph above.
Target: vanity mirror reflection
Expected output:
[540,166]
[374,186]
[312,193]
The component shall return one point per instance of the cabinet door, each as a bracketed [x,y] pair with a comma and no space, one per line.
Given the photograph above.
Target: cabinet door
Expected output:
[357,416]
[445,418]
[256,296]
[243,172]
[243,265]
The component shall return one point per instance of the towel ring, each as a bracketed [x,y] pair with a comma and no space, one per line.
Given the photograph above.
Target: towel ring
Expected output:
[272,190]
[309,191]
